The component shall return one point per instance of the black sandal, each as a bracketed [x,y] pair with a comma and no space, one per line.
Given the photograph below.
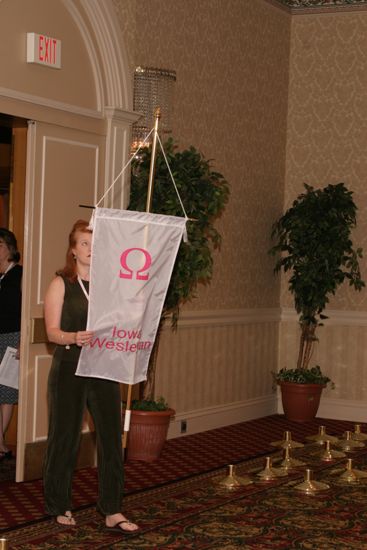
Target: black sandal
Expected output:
[117,529]
[70,518]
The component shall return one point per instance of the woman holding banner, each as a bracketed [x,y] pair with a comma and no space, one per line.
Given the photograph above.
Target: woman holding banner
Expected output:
[66,310]
[10,311]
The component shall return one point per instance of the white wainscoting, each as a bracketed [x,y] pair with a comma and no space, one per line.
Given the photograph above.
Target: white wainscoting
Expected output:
[338,409]
[225,415]
[342,409]
[341,353]
[216,370]
[214,359]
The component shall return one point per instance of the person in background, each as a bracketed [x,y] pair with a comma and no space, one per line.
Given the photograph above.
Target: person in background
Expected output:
[66,310]
[10,313]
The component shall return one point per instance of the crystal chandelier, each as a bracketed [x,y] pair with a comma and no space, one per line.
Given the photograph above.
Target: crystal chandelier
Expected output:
[152,88]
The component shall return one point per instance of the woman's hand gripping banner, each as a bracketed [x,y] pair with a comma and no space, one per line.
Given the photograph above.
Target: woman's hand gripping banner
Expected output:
[133,254]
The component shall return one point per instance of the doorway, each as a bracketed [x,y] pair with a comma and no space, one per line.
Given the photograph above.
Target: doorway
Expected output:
[13,145]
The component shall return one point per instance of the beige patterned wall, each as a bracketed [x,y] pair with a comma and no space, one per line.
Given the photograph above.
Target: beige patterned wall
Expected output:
[327,117]
[125,11]
[231,60]
[232,101]
[326,143]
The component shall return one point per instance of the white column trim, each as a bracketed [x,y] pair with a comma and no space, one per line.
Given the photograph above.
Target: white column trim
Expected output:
[112,50]
[222,317]
[90,47]
[118,144]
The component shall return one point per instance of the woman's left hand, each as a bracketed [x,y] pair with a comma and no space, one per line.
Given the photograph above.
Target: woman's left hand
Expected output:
[83,337]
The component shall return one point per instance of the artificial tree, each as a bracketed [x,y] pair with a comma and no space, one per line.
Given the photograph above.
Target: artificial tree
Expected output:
[204,193]
[313,245]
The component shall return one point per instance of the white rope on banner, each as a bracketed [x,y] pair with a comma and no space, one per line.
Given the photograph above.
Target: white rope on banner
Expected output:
[172,178]
[124,168]
[129,162]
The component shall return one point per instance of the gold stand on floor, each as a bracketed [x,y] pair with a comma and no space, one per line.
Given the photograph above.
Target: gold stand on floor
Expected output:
[232,481]
[328,455]
[348,443]
[289,463]
[287,442]
[310,486]
[357,434]
[269,473]
[3,544]
[351,475]
[321,437]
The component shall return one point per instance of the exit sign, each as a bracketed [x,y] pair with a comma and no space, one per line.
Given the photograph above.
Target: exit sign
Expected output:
[43,50]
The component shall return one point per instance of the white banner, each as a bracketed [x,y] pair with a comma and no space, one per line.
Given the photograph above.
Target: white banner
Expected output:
[133,254]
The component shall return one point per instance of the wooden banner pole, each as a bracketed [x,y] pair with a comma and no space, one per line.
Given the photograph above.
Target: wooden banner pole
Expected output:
[157,115]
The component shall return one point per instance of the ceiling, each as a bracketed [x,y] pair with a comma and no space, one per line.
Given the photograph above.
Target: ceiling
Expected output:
[302,6]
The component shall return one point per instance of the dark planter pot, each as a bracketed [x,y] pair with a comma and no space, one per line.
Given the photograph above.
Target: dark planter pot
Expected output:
[147,434]
[300,401]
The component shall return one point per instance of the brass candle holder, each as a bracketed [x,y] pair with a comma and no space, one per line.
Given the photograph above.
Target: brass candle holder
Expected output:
[357,434]
[328,455]
[351,475]
[349,444]
[3,544]
[309,486]
[269,473]
[232,481]
[322,436]
[287,442]
[289,463]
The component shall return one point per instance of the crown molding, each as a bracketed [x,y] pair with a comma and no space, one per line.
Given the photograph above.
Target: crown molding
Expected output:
[305,7]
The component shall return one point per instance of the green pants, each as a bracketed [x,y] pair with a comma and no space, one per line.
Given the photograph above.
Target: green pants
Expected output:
[69,396]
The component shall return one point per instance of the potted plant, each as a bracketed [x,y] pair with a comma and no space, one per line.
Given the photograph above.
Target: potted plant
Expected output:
[313,245]
[204,193]
[148,428]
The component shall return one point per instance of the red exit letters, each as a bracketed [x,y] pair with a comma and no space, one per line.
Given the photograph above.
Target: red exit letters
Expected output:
[47,49]
[43,50]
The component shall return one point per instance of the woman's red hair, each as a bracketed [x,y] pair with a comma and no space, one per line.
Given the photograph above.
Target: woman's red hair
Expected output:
[69,270]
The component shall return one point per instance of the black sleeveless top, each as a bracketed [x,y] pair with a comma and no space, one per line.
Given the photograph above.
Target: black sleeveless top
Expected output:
[73,316]
[11,300]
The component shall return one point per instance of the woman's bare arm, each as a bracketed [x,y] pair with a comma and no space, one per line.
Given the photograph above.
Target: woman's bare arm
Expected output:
[54,301]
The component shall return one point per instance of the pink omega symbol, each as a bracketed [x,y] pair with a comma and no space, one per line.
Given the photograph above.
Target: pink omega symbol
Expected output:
[128,274]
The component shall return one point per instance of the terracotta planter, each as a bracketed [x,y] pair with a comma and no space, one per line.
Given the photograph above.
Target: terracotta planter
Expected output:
[300,401]
[147,434]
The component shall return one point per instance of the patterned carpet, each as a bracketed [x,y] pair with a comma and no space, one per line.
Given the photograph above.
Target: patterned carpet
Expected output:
[178,503]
